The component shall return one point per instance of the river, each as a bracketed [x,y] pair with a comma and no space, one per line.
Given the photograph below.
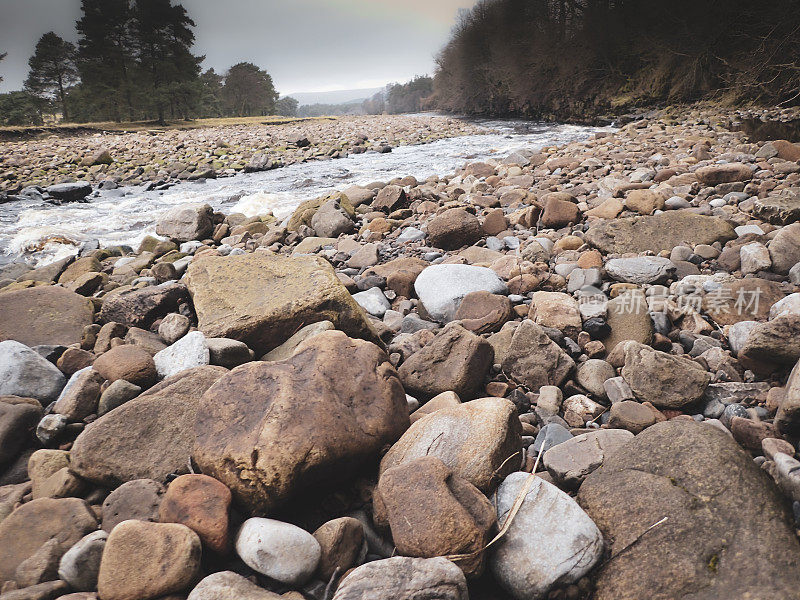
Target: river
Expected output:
[41,233]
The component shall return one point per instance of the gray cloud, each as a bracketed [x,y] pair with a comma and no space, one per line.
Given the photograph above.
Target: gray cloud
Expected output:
[306,45]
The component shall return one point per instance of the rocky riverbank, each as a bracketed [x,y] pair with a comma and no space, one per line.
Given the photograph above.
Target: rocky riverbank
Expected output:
[162,156]
[527,379]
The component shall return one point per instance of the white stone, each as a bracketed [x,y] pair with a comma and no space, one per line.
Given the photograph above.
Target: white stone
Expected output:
[411,234]
[639,270]
[80,564]
[281,551]
[441,288]
[551,540]
[188,352]
[743,230]
[373,301]
[788,305]
[738,334]
[23,372]
[755,257]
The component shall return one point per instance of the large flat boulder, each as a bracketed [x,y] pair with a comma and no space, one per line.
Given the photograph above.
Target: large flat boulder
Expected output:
[44,315]
[727,532]
[263,299]
[148,437]
[271,430]
[658,232]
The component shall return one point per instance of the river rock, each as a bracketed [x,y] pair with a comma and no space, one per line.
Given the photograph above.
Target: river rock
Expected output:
[17,423]
[402,578]
[482,312]
[80,396]
[557,310]
[142,307]
[33,524]
[148,560]
[390,198]
[281,551]
[781,209]
[631,416]
[773,345]
[658,232]
[227,585]
[456,360]
[373,301]
[47,315]
[550,541]
[286,349]
[628,319]
[262,299]
[131,363]
[713,175]
[187,222]
[641,270]
[787,418]
[572,460]
[343,545]
[664,380]
[474,439]
[115,395]
[433,512]
[228,353]
[138,499]
[534,360]
[173,327]
[80,565]
[453,229]
[703,483]
[441,288]
[148,437]
[257,426]
[24,373]
[331,221]
[187,353]
[742,300]
[202,504]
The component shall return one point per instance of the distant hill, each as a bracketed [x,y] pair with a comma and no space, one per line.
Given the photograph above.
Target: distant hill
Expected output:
[335,97]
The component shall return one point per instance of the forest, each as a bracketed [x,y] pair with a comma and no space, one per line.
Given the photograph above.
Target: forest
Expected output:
[579,58]
[134,62]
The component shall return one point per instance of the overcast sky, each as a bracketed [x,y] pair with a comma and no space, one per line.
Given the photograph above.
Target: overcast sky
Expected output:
[306,45]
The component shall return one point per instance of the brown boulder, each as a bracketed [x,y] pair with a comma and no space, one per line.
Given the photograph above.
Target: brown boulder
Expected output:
[271,430]
[533,359]
[454,229]
[699,487]
[432,512]
[478,440]
[148,437]
[202,504]
[456,360]
[141,308]
[559,210]
[658,232]
[483,312]
[131,363]
[390,198]
[742,300]
[44,315]
[262,300]
[773,345]
[148,560]
[343,546]
[33,524]
[138,499]
[729,173]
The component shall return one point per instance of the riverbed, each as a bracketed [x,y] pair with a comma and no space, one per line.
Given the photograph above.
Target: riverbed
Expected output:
[40,232]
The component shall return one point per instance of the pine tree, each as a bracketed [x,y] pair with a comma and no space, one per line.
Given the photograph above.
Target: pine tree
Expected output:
[163,38]
[249,90]
[105,61]
[2,56]
[52,70]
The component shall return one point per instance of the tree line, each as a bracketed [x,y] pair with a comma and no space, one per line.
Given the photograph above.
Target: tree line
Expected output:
[398,98]
[572,58]
[134,62]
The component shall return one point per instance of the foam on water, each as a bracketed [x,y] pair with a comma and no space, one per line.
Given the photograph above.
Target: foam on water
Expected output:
[42,233]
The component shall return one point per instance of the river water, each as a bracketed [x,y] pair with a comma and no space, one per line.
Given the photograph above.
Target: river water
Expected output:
[41,233]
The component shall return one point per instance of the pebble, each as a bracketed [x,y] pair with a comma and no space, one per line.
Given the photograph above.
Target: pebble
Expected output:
[280,551]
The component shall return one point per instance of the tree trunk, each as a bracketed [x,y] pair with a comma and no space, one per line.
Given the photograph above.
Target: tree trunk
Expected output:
[64,113]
